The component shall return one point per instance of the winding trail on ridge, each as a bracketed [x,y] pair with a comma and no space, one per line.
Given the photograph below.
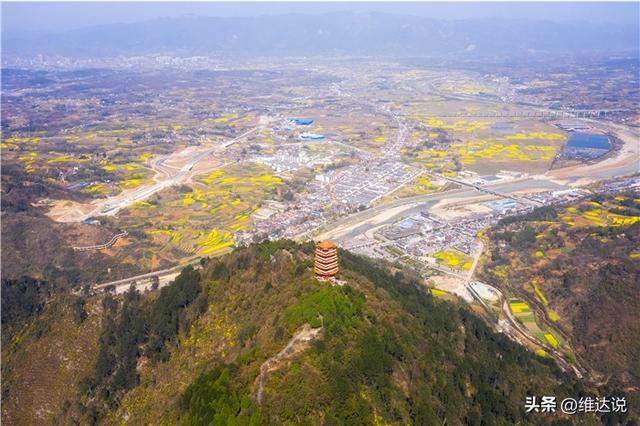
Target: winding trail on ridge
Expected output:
[299,342]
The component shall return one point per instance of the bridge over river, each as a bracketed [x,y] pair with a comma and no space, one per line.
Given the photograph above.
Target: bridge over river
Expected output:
[572,113]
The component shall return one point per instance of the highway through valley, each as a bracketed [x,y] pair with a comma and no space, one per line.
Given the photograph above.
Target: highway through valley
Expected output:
[113,205]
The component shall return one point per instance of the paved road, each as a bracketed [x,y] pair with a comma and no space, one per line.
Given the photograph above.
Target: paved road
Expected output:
[113,205]
[485,189]
[108,244]
[356,224]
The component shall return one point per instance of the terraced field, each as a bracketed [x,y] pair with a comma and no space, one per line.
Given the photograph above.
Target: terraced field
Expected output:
[573,271]
[546,335]
[202,217]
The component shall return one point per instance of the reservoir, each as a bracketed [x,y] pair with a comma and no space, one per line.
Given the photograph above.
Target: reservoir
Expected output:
[587,145]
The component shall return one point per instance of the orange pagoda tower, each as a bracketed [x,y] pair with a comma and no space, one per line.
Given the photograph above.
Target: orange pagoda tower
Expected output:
[326,262]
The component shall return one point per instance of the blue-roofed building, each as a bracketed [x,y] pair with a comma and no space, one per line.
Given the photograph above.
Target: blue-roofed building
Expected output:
[407,223]
[502,206]
[310,137]
[586,145]
[301,121]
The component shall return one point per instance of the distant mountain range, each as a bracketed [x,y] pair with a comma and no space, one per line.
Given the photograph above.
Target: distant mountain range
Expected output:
[328,34]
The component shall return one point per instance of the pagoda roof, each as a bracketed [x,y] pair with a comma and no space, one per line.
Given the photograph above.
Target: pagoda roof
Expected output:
[325,245]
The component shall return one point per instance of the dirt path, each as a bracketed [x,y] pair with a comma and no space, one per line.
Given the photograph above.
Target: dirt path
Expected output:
[476,258]
[299,342]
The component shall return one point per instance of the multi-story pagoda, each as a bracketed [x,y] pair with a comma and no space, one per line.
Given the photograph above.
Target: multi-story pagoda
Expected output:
[326,262]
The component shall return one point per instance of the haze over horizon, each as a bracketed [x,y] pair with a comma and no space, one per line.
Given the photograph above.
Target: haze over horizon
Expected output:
[352,32]
[320,213]
[19,19]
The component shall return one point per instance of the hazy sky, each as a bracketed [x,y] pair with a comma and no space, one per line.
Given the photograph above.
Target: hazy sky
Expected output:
[60,16]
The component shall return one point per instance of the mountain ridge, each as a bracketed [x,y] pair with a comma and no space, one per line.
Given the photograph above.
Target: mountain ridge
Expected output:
[338,33]
[192,352]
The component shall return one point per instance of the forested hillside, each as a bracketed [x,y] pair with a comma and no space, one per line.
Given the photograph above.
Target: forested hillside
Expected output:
[35,245]
[254,338]
[579,267]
